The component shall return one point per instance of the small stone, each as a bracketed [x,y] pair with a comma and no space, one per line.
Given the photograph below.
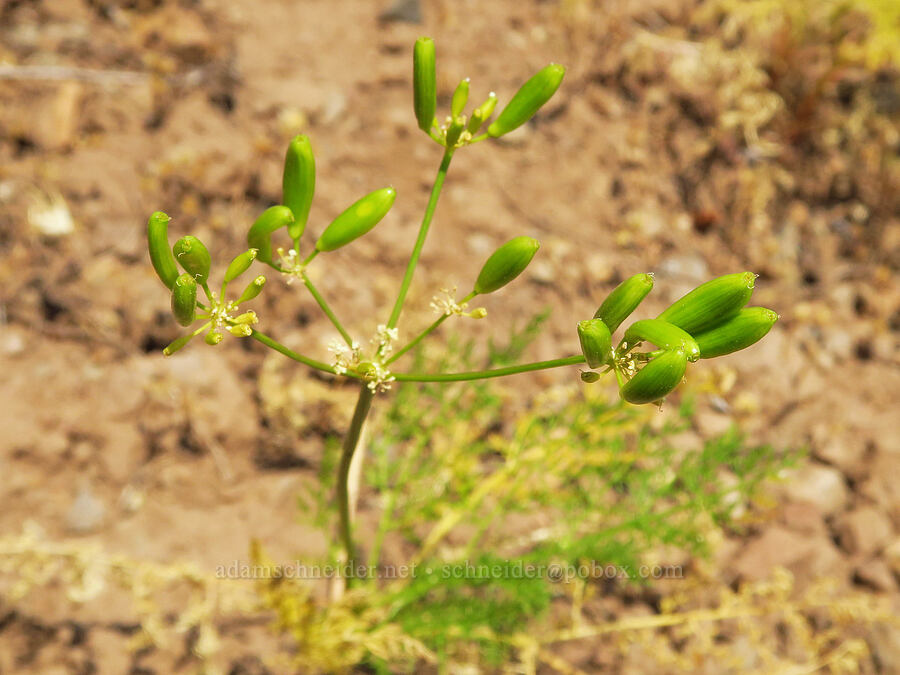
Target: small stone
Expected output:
[807,557]
[876,574]
[892,556]
[542,272]
[864,531]
[12,342]
[86,513]
[843,452]
[405,11]
[687,267]
[822,486]
[803,517]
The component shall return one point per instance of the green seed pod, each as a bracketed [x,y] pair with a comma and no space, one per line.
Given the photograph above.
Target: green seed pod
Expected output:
[424,83]
[240,265]
[623,300]
[664,335]
[260,234]
[506,263]
[528,100]
[213,338]
[460,98]
[253,289]
[240,330]
[711,304]
[158,245]
[454,131]
[177,344]
[184,299]
[193,256]
[361,217]
[657,379]
[481,113]
[745,328]
[595,342]
[298,183]
[589,376]
[247,317]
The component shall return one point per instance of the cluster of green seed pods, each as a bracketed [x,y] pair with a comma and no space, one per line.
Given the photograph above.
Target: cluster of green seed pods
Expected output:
[709,321]
[298,187]
[460,130]
[194,258]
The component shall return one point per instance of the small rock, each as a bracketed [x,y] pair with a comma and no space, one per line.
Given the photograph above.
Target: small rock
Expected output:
[689,266]
[803,517]
[822,486]
[86,513]
[876,574]
[12,342]
[892,556]
[807,557]
[864,531]
[884,641]
[406,11]
[844,452]
[543,272]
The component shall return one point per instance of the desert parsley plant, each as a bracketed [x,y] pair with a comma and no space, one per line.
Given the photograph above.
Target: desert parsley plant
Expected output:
[712,320]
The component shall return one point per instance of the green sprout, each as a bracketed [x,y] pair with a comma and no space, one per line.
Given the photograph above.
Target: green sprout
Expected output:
[710,321]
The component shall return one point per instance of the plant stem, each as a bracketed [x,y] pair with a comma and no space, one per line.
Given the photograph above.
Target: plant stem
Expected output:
[412,343]
[485,374]
[291,354]
[425,333]
[325,308]
[420,241]
[351,440]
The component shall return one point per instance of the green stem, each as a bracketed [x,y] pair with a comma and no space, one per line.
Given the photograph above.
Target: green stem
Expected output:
[327,310]
[425,333]
[312,363]
[421,336]
[420,240]
[485,374]
[351,441]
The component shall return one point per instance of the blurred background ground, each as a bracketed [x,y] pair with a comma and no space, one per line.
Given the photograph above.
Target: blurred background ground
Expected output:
[681,142]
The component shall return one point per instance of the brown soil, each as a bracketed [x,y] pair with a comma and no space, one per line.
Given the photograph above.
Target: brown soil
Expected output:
[176,459]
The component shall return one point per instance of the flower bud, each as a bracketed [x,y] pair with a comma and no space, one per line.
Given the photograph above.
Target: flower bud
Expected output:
[664,335]
[212,338]
[454,131]
[253,289]
[528,100]
[298,183]
[481,113]
[240,330]
[240,265]
[184,299]
[595,342]
[656,379]
[710,304]
[177,344]
[623,300]
[193,256]
[260,234]
[247,317]
[506,263]
[361,217]
[745,328]
[460,98]
[158,245]
[589,376]
[424,83]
